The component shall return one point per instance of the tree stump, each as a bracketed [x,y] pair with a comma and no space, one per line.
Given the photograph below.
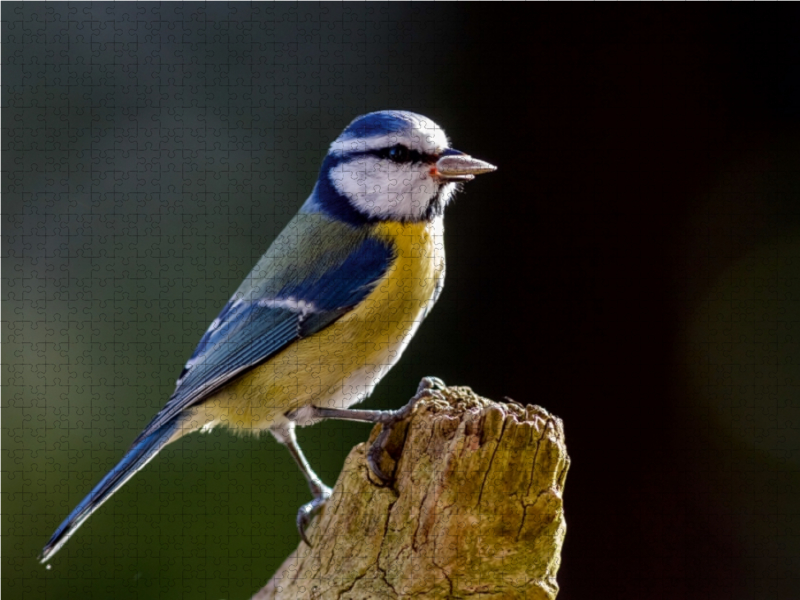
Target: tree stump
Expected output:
[475,510]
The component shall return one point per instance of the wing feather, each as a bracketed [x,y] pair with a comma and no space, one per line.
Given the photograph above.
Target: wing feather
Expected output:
[258,322]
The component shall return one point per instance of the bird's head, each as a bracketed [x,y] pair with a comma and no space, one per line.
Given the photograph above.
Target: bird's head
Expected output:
[392,166]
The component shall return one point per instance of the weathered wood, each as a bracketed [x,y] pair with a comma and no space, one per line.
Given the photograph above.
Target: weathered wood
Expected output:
[475,511]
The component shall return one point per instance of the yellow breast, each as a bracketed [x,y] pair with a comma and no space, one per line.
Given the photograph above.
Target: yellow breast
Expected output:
[341,364]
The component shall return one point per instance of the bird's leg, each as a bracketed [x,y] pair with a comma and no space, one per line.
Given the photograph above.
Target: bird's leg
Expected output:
[319,490]
[428,387]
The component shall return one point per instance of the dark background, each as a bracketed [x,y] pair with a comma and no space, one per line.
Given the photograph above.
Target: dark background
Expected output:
[633,266]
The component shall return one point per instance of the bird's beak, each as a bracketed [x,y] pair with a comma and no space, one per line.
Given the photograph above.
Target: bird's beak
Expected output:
[457,166]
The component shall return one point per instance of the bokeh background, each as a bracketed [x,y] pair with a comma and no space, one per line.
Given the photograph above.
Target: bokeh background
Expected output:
[633,266]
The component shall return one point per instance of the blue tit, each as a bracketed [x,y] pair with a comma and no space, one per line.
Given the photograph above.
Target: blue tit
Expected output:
[326,312]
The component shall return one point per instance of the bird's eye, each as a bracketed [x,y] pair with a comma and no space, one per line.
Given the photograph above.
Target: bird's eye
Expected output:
[398,153]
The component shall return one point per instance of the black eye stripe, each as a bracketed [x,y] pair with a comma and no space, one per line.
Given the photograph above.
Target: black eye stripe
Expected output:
[405,156]
[398,153]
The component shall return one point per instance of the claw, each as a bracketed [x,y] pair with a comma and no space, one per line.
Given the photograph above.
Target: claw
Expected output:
[307,512]
[431,384]
[429,387]
[375,453]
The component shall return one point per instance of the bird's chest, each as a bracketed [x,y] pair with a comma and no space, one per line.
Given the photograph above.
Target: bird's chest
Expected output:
[400,300]
[373,336]
[343,363]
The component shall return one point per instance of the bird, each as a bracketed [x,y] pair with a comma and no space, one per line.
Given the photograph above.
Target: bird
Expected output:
[325,312]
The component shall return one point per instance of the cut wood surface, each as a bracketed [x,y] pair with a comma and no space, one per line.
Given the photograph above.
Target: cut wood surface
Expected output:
[475,510]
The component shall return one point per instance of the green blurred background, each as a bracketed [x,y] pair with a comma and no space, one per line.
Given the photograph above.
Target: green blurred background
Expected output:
[633,266]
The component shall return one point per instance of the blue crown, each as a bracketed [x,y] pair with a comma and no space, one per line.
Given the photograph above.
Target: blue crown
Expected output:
[384,122]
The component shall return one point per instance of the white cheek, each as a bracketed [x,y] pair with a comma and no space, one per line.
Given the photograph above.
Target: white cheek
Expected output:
[383,189]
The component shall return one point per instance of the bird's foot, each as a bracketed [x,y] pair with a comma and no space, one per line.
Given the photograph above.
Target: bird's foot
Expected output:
[309,510]
[429,387]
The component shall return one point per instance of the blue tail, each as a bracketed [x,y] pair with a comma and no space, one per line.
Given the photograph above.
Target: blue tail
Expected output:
[136,458]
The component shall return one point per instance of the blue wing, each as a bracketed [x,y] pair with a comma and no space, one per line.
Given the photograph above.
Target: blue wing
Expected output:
[251,329]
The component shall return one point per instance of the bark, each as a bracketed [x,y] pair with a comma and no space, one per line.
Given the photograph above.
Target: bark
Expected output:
[475,510]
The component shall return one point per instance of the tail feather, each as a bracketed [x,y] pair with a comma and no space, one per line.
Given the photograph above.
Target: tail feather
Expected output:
[136,458]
